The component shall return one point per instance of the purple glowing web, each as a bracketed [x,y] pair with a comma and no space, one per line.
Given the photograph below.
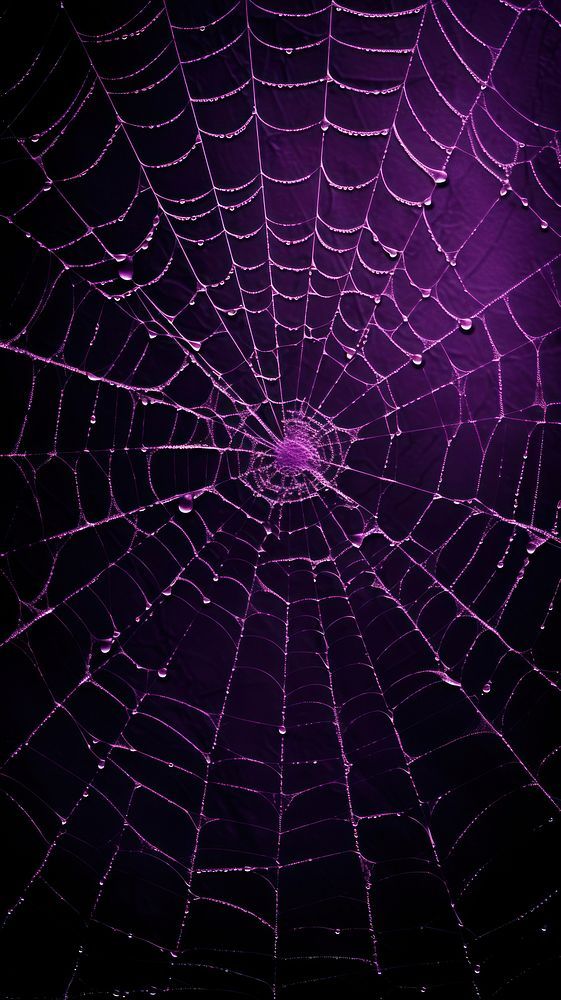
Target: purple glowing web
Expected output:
[281,346]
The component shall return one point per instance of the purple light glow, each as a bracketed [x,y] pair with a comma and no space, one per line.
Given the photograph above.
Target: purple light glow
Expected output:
[281,344]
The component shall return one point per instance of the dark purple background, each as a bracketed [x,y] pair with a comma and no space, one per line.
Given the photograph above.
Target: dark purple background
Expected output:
[281,359]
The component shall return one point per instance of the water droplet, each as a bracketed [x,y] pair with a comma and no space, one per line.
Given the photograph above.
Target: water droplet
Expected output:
[186,504]
[486,687]
[126,269]
[466,325]
[417,360]
[162,672]
[282,730]
[450,680]
[534,543]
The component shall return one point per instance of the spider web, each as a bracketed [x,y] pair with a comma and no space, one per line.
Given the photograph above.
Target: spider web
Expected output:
[280,549]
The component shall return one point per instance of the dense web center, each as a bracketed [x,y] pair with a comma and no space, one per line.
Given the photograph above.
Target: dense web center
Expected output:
[297,452]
